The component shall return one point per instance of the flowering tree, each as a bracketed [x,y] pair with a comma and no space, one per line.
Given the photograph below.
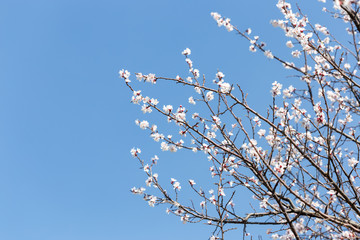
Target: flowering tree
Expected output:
[299,159]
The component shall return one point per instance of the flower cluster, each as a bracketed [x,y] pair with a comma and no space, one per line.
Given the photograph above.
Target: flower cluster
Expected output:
[175,184]
[222,21]
[125,74]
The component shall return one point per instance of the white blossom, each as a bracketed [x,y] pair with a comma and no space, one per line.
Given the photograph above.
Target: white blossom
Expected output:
[225,87]
[135,151]
[125,74]
[352,162]
[186,52]
[167,109]
[192,101]
[261,132]
[276,89]
[144,124]
[135,190]
[268,54]
[289,44]
[209,96]
[252,48]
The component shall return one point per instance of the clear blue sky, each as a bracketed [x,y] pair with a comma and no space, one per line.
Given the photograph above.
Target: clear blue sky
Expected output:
[66,124]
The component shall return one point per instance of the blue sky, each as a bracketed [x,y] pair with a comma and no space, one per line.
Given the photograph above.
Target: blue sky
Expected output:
[67,125]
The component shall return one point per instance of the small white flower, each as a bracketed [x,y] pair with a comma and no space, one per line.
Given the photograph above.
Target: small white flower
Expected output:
[175,184]
[276,89]
[220,75]
[134,152]
[197,90]
[139,76]
[146,168]
[216,15]
[216,120]
[331,192]
[228,25]
[289,44]
[135,190]
[186,52]
[209,96]
[164,146]
[146,108]
[196,73]
[125,74]
[268,54]
[172,148]
[150,78]
[225,87]
[144,124]
[192,101]
[296,53]
[167,109]
[261,132]
[221,192]
[352,162]
[189,62]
